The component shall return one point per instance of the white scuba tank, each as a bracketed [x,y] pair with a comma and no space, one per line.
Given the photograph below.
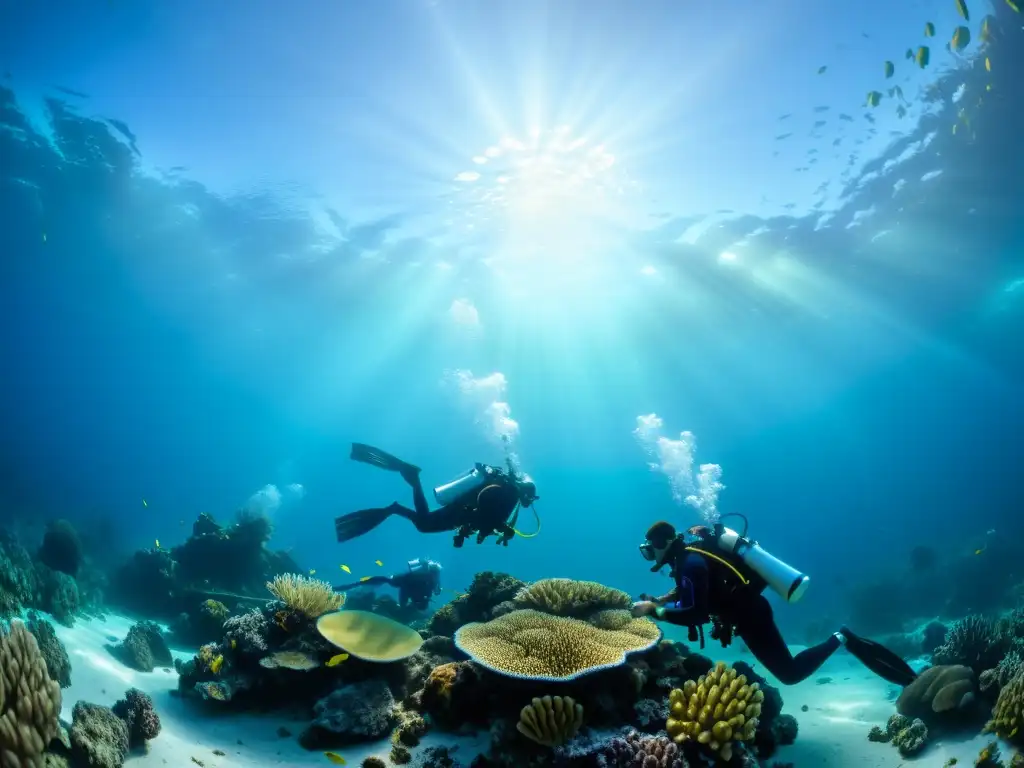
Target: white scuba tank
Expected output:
[471,480]
[787,581]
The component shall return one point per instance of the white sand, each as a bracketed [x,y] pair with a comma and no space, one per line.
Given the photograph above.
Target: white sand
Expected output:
[833,732]
[192,731]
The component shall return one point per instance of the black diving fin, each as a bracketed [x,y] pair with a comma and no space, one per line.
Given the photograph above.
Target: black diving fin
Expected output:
[367,454]
[355,524]
[879,659]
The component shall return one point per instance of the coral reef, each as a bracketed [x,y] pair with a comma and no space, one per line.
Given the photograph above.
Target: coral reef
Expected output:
[136,709]
[368,636]
[909,736]
[933,636]
[550,721]
[99,738]
[61,550]
[310,597]
[939,694]
[1008,713]
[29,700]
[58,594]
[538,646]
[58,665]
[975,642]
[144,648]
[716,710]
[358,712]
[487,591]
[575,599]
[640,751]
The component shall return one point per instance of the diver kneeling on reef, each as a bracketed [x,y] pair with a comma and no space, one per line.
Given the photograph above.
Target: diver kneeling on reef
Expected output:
[484,500]
[720,576]
[415,587]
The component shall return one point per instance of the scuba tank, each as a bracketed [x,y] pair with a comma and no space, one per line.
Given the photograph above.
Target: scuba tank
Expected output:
[469,481]
[786,580]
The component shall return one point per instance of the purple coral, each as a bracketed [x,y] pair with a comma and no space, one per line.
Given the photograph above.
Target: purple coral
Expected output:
[136,709]
[637,750]
[249,631]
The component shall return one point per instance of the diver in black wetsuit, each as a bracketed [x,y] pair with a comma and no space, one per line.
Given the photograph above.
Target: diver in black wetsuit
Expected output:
[415,587]
[484,501]
[720,576]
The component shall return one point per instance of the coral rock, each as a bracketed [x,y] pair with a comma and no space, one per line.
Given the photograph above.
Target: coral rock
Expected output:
[144,648]
[937,693]
[99,738]
[29,700]
[136,709]
[353,713]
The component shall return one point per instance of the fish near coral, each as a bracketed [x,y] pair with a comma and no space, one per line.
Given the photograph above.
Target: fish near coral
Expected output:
[216,664]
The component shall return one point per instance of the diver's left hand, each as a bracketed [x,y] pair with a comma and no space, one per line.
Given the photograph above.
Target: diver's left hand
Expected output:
[643,608]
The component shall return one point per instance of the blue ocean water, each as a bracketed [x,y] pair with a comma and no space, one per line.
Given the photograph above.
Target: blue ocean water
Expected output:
[234,241]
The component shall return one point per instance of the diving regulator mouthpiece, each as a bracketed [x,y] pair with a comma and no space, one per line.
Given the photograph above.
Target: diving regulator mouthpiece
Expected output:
[787,581]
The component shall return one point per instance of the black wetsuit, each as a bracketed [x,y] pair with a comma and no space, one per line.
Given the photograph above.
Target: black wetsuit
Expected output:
[707,589]
[415,588]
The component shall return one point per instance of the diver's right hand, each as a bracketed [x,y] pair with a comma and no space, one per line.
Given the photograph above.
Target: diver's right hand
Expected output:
[643,608]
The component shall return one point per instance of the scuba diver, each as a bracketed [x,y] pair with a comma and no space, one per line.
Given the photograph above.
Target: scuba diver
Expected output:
[720,576]
[484,501]
[415,587]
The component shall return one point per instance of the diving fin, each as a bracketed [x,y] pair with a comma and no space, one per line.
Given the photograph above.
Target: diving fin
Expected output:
[879,659]
[355,524]
[378,458]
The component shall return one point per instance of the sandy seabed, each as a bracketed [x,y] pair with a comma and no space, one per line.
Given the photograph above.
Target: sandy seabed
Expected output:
[833,730]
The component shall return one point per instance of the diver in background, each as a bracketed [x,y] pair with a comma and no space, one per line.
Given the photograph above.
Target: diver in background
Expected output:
[484,501]
[415,587]
[720,576]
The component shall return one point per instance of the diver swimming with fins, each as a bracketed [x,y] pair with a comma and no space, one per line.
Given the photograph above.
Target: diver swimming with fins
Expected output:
[484,501]
[720,576]
[415,587]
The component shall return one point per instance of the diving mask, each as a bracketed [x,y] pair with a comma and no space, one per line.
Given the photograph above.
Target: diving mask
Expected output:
[653,554]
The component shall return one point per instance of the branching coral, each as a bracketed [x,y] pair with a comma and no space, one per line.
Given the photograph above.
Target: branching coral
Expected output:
[636,749]
[551,720]
[310,597]
[538,646]
[1008,713]
[29,700]
[974,642]
[568,597]
[716,710]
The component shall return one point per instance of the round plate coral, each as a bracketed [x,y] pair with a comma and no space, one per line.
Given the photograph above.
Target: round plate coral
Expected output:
[368,636]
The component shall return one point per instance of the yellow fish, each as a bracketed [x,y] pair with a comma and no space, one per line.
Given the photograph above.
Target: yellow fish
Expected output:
[157,542]
[335,758]
[234,643]
[977,551]
[890,69]
[961,38]
[336,660]
[1014,5]
[312,571]
[988,64]
[923,56]
[961,6]
[144,503]
[929,30]
[216,664]
[986,29]
[346,569]
[378,562]
[873,98]
[365,578]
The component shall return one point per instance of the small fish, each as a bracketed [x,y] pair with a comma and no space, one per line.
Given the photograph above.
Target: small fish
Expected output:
[986,29]
[923,56]
[336,660]
[216,664]
[378,562]
[365,578]
[990,532]
[312,571]
[44,237]
[144,503]
[961,6]
[929,30]
[345,568]
[335,758]
[234,643]
[821,70]
[909,54]
[961,38]
[977,551]
[157,542]
[890,69]
[988,64]
[1014,5]
[874,97]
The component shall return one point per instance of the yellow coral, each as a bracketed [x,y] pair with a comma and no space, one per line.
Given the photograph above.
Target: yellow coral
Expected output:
[538,646]
[368,636]
[718,709]
[550,721]
[1008,713]
[310,597]
[568,597]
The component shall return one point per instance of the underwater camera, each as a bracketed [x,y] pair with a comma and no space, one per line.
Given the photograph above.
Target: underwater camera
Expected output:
[786,580]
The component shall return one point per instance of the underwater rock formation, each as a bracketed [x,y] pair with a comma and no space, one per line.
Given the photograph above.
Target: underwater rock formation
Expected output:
[58,665]
[136,709]
[909,736]
[144,648]
[99,738]
[352,713]
[487,591]
[61,550]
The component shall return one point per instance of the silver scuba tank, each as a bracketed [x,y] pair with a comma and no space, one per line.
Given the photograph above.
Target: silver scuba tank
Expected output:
[471,480]
[786,580]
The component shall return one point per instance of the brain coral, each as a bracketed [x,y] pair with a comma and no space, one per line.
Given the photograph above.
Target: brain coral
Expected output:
[29,699]
[537,646]
[938,691]
[568,597]
[718,709]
